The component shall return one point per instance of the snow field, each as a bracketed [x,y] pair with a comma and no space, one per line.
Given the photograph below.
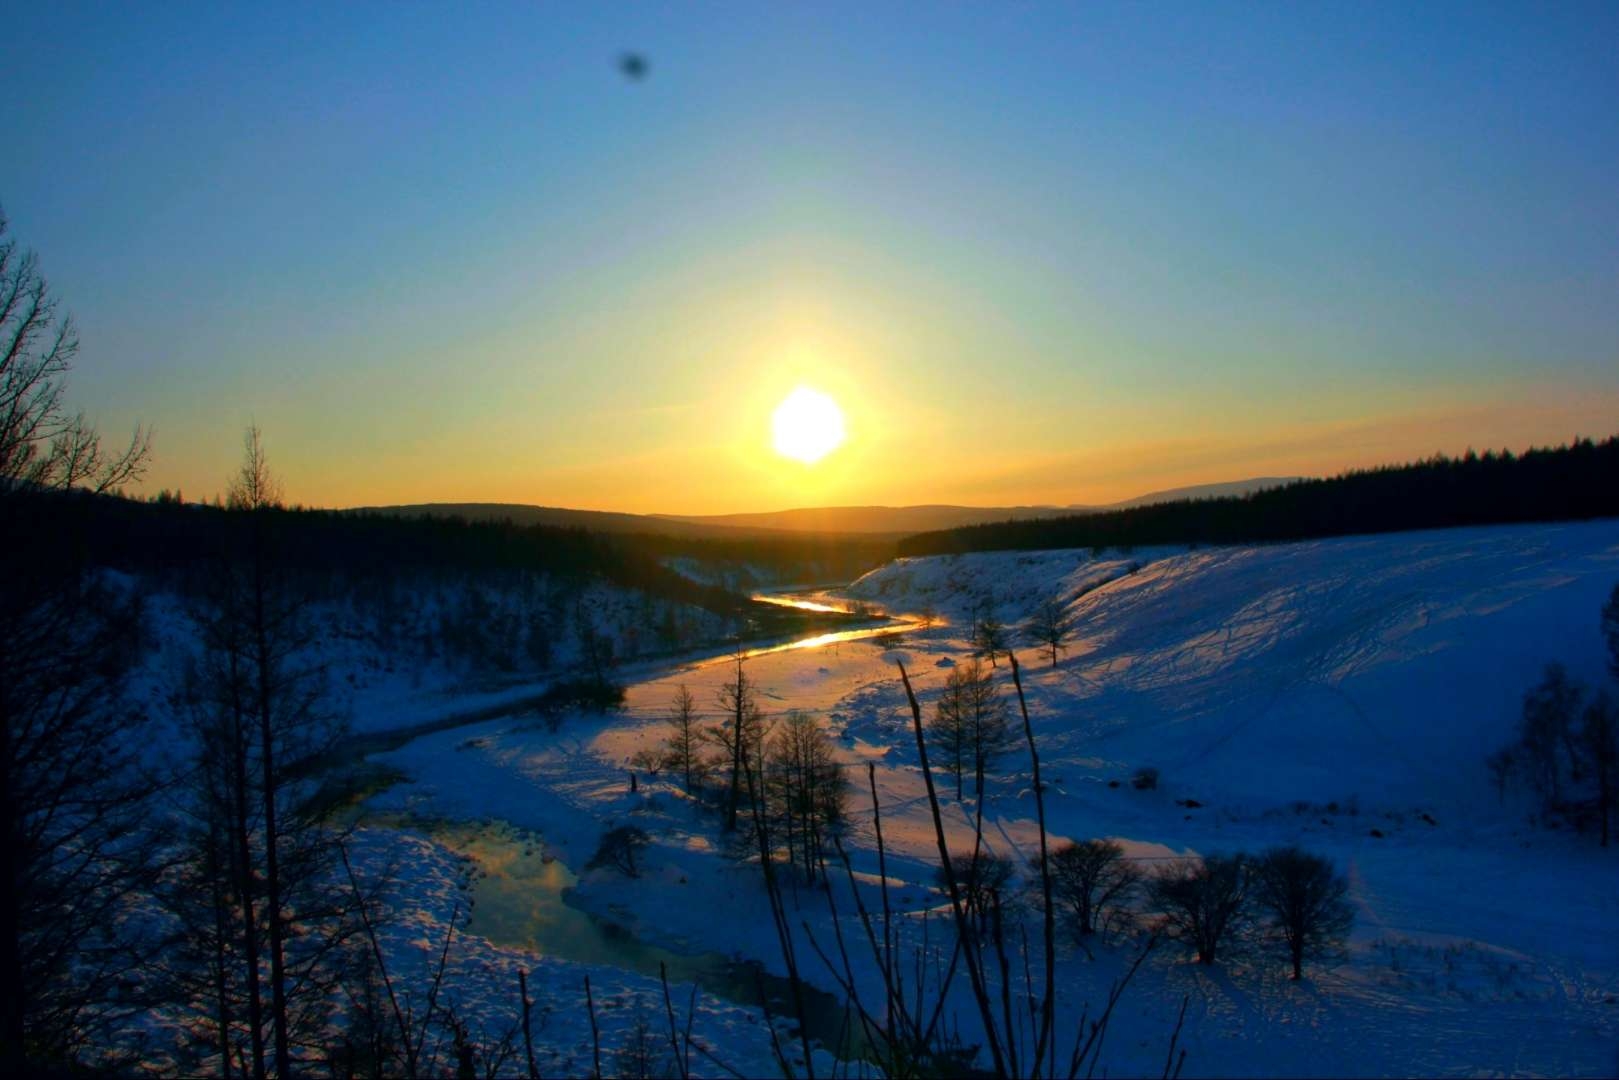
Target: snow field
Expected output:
[1310,693]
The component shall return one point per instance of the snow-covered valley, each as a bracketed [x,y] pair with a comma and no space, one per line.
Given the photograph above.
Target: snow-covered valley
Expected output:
[1341,694]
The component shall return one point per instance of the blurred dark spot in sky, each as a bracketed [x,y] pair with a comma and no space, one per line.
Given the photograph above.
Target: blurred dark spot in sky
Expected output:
[633,66]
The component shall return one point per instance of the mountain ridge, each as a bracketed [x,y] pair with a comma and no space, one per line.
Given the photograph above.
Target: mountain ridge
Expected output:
[871,520]
[926,517]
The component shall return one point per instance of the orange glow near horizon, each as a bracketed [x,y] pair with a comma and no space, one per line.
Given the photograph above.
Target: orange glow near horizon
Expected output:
[929,448]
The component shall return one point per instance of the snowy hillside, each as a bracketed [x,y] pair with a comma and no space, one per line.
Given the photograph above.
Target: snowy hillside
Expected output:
[1341,695]
[437,650]
[1010,584]
[1270,674]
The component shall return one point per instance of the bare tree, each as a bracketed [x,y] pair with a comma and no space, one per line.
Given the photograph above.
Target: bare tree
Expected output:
[1501,765]
[644,1054]
[417,1033]
[621,848]
[1546,731]
[1610,630]
[1050,627]
[739,732]
[685,740]
[928,617]
[261,724]
[595,648]
[1599,740]
[1304,899]
[1204,900]
[1092,877]
[985,881]
[224,808]
[73,806]
[969,724]
[273,638]
[988,633]
[43,446]
[805,790]
[72,793]
[905,1028]
[254,487]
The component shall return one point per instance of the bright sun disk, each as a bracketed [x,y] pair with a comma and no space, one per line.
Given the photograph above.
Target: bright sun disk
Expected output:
[807,426]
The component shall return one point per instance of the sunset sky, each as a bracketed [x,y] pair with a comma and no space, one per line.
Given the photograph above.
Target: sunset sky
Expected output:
[1037,254]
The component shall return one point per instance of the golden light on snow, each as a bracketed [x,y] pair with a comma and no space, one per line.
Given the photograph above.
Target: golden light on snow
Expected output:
[806,426]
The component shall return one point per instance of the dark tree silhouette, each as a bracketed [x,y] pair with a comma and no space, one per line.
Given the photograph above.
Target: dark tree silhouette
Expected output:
[595,648]
[42,445]
[1599,741]
[72,797]
[684,743]
[988,634]
[806,793]
[1050,627]
[739,733]
[1574,482]
[621,848]
[74,806]
[969,724]
[1204,900]
[984,881]
[1546,733]
[1091,878]
[264,849]
[1610,630]
[1304,901]
[1501,765]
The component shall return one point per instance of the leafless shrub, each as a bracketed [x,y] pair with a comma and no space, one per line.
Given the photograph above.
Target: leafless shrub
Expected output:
[1203,901]
[620,848]
[1092,878]
[1304,901]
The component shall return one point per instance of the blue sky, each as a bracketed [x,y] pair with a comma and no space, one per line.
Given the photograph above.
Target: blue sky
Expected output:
[1040,253]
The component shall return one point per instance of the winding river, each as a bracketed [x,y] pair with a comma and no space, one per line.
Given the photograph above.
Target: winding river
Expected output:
[522,895]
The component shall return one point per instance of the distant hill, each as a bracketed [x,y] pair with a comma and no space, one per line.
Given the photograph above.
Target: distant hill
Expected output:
[889,520]
[1566,483]
[594,520]
[1228,489]
[906,520]
[886,521]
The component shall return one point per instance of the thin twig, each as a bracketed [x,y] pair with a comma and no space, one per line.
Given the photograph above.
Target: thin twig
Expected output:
[846,981]
[710,1055]
[770,1025]
[436,985]
[980,991]
[1173,1039]
[669,1009]
[1006,985]
[376,952]
[528,1037]
[595,1032]
[897,1000]
[691,1015]
[1047,1007]
[1093,1046]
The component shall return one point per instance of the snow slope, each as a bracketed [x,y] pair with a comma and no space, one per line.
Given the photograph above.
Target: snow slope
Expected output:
[1338,694]
[388,665]
[1259,673]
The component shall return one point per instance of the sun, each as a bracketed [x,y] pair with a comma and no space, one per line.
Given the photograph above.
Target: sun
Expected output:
[807,426]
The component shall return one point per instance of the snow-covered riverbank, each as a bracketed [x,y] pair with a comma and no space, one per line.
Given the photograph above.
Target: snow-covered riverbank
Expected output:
[1339,694]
